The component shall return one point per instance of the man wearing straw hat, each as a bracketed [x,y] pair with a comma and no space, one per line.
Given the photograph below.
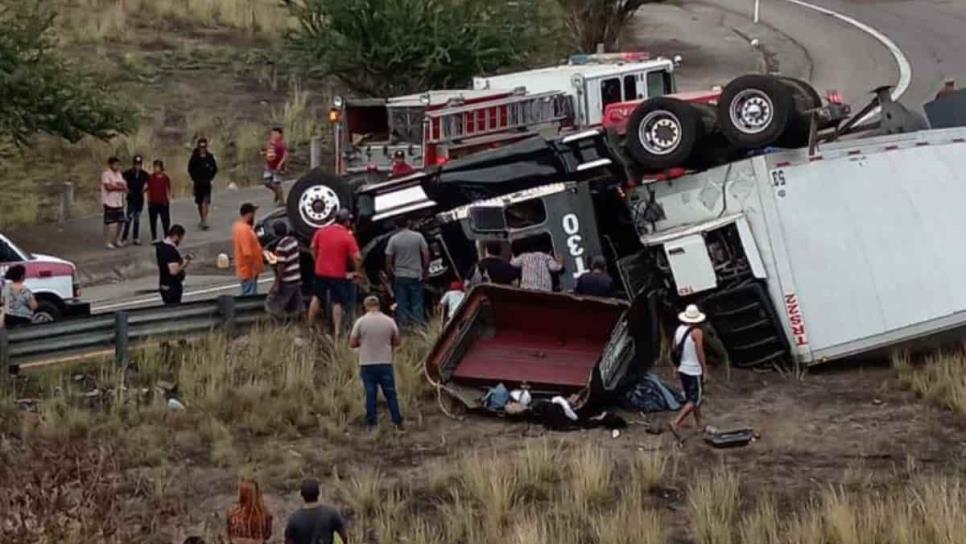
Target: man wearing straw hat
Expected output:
[688,354]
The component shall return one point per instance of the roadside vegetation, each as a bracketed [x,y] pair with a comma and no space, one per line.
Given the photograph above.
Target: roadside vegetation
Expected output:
[939,377]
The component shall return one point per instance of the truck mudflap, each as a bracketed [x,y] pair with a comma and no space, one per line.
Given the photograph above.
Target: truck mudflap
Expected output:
[554,343]
[747,325]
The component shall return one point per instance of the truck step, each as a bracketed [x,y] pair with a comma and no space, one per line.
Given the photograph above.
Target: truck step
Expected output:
[735,311]
[773,356]
[757,344]
[745,328]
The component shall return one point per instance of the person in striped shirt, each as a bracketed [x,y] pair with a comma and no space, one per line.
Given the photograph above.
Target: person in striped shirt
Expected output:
[536,268]
[285,297]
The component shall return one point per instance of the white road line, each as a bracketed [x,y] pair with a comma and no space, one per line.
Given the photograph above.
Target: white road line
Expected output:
[905,69]
[154,299]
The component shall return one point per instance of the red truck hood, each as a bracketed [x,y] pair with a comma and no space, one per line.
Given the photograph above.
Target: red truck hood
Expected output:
[617,114]
[551,341]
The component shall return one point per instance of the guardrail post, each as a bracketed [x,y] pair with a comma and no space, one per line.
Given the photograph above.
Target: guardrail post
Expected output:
[4,356]
[66,201]
[315,152]
[226,309]
[121,338]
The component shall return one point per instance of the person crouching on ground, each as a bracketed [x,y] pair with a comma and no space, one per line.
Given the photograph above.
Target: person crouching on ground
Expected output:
[376,336]
[688,355]
[249,522]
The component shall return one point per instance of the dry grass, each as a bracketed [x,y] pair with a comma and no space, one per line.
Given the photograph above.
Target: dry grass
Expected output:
[939,377]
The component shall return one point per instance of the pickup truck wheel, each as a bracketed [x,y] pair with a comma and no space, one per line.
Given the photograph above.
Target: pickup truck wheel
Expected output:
[662,133]
[314,200]
[754,110]
[47,312]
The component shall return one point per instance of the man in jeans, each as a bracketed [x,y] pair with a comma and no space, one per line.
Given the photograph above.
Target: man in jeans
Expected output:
[248,251]
[407,259]
[376,336]
[137,183]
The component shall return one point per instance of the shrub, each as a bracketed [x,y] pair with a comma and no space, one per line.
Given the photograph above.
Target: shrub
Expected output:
[593,22]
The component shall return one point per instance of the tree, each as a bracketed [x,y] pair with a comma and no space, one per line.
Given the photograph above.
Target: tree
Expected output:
[40,92]
[595,22]
[391,47]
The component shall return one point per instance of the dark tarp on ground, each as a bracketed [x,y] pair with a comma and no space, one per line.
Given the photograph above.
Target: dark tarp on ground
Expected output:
[650,394]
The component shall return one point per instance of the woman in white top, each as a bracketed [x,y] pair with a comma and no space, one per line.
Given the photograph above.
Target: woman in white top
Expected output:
[17,301]
[692,368]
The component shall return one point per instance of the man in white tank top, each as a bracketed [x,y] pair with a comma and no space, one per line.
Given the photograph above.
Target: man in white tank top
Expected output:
[692,368]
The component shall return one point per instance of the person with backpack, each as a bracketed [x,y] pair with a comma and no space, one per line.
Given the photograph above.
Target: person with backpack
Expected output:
[688,355]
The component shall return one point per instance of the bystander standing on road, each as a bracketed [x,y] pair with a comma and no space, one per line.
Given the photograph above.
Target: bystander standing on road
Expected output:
[202,169]
[249,522]
[136,179]
[314,523]
[400,168]
[276,157]
[171,265]
[493,268]
[597,282]
[536,268]
[376,336]
[17,302]
[407,261]
[688,354]
[113,190]
[285,297]
[336,251]
[159,200]
[451,300]
[248,251]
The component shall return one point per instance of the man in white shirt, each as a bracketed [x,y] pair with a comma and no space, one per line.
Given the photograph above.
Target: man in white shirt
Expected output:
[688,354]
[113,191]
[376,336]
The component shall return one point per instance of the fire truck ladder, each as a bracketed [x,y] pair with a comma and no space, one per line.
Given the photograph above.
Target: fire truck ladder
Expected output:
[511,113]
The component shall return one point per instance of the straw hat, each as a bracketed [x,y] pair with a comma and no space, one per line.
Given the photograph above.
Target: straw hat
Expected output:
[691,314]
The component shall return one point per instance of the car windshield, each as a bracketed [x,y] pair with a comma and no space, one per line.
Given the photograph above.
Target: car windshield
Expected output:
[10,253]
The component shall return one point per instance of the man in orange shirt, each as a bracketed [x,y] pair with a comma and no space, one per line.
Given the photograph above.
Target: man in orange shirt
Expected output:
[248,252]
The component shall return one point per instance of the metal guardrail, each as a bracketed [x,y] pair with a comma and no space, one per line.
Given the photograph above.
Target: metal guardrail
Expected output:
[118,332]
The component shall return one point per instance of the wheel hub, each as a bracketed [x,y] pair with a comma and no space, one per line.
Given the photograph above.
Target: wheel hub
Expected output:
[752,111]
[660,132]
[318,205]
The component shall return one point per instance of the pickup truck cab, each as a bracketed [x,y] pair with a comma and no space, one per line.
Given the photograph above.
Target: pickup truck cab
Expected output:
[53,282]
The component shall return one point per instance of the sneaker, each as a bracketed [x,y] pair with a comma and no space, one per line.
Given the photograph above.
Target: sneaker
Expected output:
[111,246]
[203,225]
[122,243]
[400,429]
[137,242]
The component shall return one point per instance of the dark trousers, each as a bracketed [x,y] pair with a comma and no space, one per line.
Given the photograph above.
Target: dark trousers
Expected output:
[375,377]
[171,294]
[154,212]
[409,302]
[132,221]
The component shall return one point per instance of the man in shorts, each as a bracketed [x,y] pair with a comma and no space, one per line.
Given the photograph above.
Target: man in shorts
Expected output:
[276,156]
[335,250]
[202,168]
[113,191]
[688,354]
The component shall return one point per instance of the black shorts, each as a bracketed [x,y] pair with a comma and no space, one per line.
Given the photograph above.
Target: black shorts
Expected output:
[693,388]
[202,193]
[336,290]
[113,215]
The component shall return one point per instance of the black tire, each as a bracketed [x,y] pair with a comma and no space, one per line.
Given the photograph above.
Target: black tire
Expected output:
[314,200]
[662,133]
[754,110]
[47,311]
[799,123]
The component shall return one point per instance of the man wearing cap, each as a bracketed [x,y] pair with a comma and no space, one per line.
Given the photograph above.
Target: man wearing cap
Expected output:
[314,523]
[248,251]
[376,336]
[688,355]
[400,168]
[136,179]
[336,251]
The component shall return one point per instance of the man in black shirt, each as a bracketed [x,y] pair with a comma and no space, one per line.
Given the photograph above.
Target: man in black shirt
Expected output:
[314,523]
[493,268]
[137,182]
[597,282]
[202,168]
[171,266]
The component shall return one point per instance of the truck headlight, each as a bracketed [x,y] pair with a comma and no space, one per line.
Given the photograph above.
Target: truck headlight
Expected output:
[338,101]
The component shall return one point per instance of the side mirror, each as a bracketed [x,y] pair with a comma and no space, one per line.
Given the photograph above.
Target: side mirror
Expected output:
[487,219]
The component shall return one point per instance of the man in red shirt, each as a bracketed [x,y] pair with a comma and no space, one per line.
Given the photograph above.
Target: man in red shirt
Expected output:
[276,156]
[400,168]
[336,252]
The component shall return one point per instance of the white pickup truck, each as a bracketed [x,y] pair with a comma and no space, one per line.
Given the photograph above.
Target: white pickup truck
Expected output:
[53,282]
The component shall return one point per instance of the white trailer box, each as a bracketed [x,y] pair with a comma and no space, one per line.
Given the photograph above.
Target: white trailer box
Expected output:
[859,245]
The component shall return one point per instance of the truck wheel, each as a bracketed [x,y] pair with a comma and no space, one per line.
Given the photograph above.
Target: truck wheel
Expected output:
[799,123]
[662,133]
[47,311]
[754,110]
[314,200]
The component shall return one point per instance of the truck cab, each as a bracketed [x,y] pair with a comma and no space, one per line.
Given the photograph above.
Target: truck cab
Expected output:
[594,82]
[53,282]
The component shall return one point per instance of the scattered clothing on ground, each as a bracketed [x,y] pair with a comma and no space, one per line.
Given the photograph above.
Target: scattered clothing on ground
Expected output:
[650,394]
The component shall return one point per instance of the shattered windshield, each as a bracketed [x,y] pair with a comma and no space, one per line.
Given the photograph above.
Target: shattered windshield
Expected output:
[406,124]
